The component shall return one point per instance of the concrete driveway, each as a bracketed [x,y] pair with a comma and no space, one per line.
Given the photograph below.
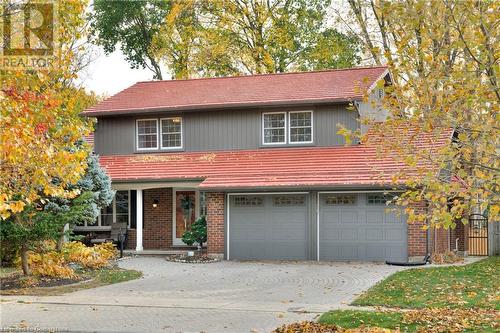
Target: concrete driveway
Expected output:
[216,297]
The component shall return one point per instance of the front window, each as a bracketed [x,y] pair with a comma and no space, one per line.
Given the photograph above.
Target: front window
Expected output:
[147,134]
[300,127]
[171,133]
[274,128]
[117,212]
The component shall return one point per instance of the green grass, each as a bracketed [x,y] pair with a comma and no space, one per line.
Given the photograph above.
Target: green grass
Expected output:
[469,286]
[393,320]
[4,271]
[95,278]
[356,318]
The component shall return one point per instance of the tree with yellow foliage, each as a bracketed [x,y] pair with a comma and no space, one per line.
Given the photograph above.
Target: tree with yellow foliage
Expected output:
[40,126]
[443,57]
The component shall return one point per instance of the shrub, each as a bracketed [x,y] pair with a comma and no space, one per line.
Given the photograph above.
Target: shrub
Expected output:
[197,233]
[50,264]
[94,257]
[445,258]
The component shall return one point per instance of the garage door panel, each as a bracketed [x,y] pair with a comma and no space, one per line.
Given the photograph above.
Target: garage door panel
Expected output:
[329,233]
[348,216]
[250,232]
[361,230]
[394,234]
[374,216]
[374,234]
[392,217]
[349,234]
[279,225]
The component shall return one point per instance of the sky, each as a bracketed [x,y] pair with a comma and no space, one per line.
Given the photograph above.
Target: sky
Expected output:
[109,74]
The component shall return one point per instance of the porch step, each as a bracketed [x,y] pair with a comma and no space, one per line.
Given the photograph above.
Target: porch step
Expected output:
[157,252]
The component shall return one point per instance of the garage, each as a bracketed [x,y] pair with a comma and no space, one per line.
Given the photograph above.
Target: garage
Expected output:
[269,226]
[360,227]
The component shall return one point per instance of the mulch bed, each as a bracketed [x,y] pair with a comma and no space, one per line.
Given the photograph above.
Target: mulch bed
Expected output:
[18,281]
[196,259]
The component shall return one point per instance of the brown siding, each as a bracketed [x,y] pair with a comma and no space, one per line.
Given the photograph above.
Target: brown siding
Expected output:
[222,130]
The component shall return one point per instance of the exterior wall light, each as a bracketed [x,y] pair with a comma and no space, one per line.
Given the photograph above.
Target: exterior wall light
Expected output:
[155,203]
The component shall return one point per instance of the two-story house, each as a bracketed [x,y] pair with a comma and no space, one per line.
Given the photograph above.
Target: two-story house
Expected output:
[260,156]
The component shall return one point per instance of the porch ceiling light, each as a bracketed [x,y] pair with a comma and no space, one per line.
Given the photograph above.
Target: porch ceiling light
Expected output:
[155,203]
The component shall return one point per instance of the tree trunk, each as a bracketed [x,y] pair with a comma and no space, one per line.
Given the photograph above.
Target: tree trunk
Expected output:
[24,259]
[60,242]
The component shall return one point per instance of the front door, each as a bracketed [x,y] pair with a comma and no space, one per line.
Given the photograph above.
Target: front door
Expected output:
[185,212]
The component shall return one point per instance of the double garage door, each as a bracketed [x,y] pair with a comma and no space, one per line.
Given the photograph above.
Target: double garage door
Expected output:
[305,226]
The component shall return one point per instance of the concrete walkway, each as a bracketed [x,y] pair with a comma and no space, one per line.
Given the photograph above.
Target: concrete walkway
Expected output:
[216,297]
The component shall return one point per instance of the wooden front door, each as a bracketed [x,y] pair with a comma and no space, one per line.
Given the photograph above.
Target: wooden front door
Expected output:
[185,213]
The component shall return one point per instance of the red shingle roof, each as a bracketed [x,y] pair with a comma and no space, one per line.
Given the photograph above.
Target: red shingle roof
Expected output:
[241,91]
[89,139]
[275,167]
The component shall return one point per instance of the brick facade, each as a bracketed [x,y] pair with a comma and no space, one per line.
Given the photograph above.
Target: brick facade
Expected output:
[157,232]
[215,222]
[417,236]
[157,221]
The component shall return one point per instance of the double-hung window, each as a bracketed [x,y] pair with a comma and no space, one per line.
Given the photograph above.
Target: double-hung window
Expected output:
[147,134]
[293,127]
[300,127]
[274,128]
[171,133]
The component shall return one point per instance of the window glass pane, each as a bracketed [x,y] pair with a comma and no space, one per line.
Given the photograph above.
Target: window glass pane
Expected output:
[171,130]
[121,198]
[241,201]
[106,220]
[107,215]
[146,134]
[274,128]
[300,126]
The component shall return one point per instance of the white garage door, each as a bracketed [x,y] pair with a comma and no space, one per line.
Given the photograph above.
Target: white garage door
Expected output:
[360,227]
[268,226]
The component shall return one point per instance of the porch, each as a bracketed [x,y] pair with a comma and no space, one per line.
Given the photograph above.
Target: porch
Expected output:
[157,215]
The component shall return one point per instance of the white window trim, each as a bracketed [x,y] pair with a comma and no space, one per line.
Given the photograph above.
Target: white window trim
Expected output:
[137,134]
[161,134]
[285,128]
[290,128]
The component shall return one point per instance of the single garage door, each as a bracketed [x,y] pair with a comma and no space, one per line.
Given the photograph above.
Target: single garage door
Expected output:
[268,226]
[359,227]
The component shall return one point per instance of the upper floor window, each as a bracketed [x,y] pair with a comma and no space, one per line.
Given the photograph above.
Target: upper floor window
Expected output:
[147,134]
[171,133]
[300,126]
[274,128]
[292,127]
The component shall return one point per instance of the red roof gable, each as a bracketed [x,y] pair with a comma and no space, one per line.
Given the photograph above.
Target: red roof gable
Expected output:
[241,91]
[275,167]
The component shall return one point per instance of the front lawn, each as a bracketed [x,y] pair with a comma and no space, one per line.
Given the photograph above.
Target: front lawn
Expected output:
[468,286]
[422,320]
[356,318]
